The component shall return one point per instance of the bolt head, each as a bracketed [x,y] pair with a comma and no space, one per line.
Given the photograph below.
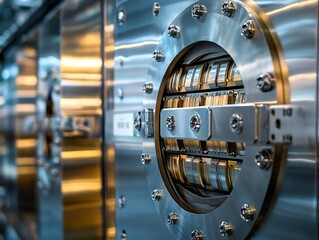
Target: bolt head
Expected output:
[121,201]
[157,195]
[172,218]
[146,158]
[248,29]
[156,8]
[121,17]
[247,212]
[173,31]
[228,8]
[120,93]
[195,123]
[170,123]
[263,159]
[148,87]
[55,172]
[198,11]
[197,235]
[158,56]
[226,229]
[265,82]
[236,123]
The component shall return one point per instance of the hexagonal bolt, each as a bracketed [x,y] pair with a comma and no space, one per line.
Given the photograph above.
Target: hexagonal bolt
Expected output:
[226,229]
[137,123]
[170,123]
[146,158]
[228,8]
[198,11]
[265,82]
[121,16]
[157,195]
[173,31]
[195,123]
[158,56]
[263,159]
[197,235]
[247,212]
[236,123]
[156,8]
[121,201]
[172,218]
[248,29]
[148,87]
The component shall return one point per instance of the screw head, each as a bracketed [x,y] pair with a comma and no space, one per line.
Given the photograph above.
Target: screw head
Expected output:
[195,123]
[247,212]
[172,218]
[146,158]
[138,123]
[55,172]
[156,8]
[158,56]
[265,82]
[263,159]
[236,123]
[226,229]
[148,87]
[120,93]
[197,235]
[198,11]
[157,195]
[228,8]
[121,201]
[121,17]
[173,31]
[170,123]
[248,29]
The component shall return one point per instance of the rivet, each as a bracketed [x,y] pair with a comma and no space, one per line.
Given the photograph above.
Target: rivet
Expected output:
[228,8]
[172,218]
[148,87]
[248,29]
[197,235]
[265,82]
[226,229]
[121,17]
[236,123]
[121,201]
[158,56]
[146,158]
[156,8]
[195,123]
[263,159]
[198,11]
[157,195]
[170,123]
[173,31]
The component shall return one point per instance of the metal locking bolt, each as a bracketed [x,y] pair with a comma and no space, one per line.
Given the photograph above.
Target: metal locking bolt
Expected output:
[265,82]
[195,123]
[226,229]
[236,123]
[156,8]
[263,159]
[247,212]
[173,31]
[158,56]
[228,8]
[146,158]
[157,195]
[197,235]
[248,29]
[172,218]
[198,11]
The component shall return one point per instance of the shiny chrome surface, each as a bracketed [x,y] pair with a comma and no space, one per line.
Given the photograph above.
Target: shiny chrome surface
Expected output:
[81,152]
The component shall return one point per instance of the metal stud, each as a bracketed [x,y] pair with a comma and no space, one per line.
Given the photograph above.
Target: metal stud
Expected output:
[197,235]
[137,123]
[170,123]
[228,8]
[158,56]
[247,212]
[157,195]
[248,29]
[173,31]
[146,158]
[172,218]
[121,201]
[198,11]
[265,82]
[148,87]
[263,159]
[120,93]
[236,123]
[226,229]
[156,8]
[195,123]
[123,235]
[121,17]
